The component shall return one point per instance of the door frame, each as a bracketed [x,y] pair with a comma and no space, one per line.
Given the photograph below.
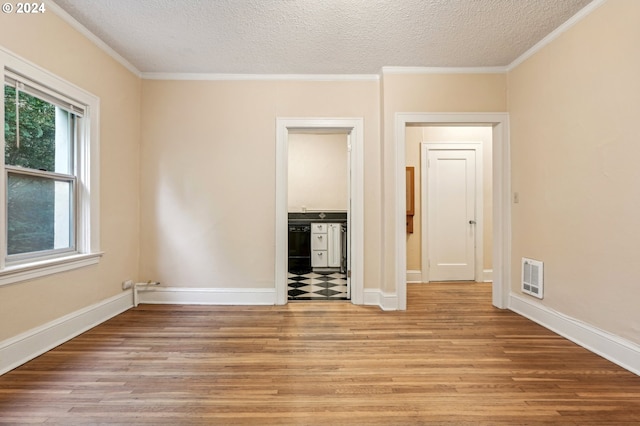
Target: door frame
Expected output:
[354,128]
[499,122]
[425,147]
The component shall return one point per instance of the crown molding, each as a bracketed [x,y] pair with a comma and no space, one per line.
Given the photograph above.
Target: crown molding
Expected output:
[444,70]
[258,77]
[582,13]
[52,6]
[389,70]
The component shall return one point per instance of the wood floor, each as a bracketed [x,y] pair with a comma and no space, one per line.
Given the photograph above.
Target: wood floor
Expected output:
[451,358]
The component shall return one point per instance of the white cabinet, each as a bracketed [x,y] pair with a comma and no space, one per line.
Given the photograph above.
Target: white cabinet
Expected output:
[326,245]
[334,242]
[319,245]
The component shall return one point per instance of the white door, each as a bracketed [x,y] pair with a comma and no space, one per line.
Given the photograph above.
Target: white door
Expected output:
[451,214]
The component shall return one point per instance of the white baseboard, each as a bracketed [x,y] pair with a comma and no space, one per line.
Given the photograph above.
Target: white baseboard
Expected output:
[30,344]
[487,276]
[386,301]
[620,351]
[414,277]
[240,296]
[207,296]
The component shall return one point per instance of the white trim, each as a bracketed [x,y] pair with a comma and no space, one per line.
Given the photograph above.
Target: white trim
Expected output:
[425,147]
[88,174]
[355,128]
[51,5]
[30,344]
[444,70]
[501,196]
[29,271]
[579,16]
[385,301]
[44,77]
[258,77]
[582,13]
[487,275]
[206,296]
[620,351]
[414,277]
[62,14]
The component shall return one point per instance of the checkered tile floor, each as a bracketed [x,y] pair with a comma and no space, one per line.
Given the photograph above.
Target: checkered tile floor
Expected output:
[317,286]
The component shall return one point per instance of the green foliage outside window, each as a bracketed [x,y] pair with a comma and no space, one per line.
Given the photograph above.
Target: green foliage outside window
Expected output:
[37,146]
[30,199]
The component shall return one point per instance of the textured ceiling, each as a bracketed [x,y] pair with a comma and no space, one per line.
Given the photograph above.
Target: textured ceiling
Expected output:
[318,36]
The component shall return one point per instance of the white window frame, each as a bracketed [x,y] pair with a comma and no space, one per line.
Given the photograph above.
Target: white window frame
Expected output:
[87,151]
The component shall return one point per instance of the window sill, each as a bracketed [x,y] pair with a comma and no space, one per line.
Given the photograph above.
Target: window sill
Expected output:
[28,271]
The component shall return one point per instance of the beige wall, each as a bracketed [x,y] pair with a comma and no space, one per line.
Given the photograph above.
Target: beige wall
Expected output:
[50,43]
[460,134]
[574,109]
[208,175]
[427,93]
[317,172]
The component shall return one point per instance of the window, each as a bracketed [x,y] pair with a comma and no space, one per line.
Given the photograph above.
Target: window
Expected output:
[49,175]
[40,173]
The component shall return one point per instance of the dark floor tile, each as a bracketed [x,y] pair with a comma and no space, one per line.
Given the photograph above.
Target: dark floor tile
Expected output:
[320,286]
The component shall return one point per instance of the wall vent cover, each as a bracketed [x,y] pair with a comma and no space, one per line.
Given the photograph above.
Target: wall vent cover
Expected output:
[532,277]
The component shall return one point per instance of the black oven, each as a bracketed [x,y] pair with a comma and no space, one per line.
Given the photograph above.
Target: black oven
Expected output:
[299,247]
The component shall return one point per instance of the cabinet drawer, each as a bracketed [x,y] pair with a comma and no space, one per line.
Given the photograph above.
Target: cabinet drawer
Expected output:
[319,242]
[319,259]
[318,228]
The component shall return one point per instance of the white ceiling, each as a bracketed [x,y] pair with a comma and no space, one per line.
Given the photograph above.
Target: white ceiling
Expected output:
[318,36]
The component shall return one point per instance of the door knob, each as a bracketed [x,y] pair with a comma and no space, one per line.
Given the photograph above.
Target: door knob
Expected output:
[472,222]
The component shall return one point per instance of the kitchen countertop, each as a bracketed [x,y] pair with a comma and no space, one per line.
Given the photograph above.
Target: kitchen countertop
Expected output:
[309,217]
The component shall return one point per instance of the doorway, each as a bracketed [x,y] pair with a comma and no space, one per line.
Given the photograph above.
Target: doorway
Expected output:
[318,215]
[500,203]
[353,129]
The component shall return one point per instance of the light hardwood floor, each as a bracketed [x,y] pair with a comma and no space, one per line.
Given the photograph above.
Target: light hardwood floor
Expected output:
[451,358]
